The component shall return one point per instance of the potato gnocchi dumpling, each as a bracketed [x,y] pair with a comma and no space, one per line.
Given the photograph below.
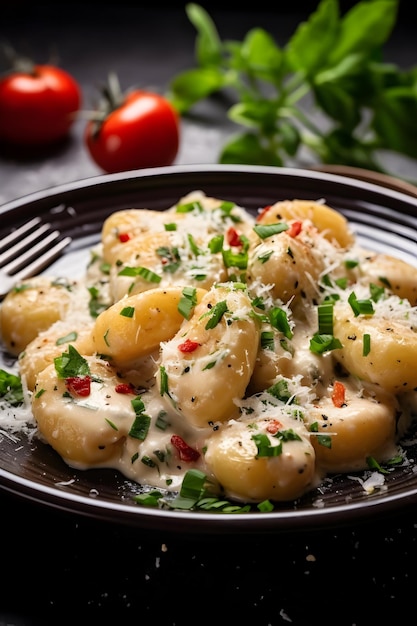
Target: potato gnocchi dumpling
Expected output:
[330,223]
[396,275]
[209,362]
[292,255]
[291,263]
[49,345]
[266,350]
[345,436]
[176,246]
[83,428]
[126,226]
[380,349]
[136,325]
[234,456]
[31,307]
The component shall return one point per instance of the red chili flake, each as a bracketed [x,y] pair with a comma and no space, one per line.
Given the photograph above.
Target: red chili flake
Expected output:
[274,426]
[123,237]
[188,346]
[294,229]
[263,212]
[338,395]
[79,385]
[185,451]
[233,237]
[124,388]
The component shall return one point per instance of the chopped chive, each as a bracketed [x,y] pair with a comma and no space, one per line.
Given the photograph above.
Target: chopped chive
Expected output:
[267,340]
[209,365]
[193,484]
[216,314]
[170,257]
[189,207]
[267,230]
[373,464]
[350,264]
[360,307]
[319,344]
[227,207]
[325,441]
[148,499]
[342,282]
[279,320]
[263,258]
[128,311]
[11,388]
[140,426]
[264,447]
[161,421]
[366,344]
[325,318]
[143,272]
[194,248]
[187,302]
[235,259]
[164,381]
[384,280]
[146,460]
[111,424]
[216,244]
[265,507]
[280,390]
[70,337]
[71,364]
[377,292]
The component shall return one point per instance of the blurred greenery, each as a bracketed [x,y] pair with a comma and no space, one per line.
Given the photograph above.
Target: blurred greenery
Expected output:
[327,91]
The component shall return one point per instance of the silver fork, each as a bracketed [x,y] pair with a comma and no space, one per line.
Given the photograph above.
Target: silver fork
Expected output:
[26,251]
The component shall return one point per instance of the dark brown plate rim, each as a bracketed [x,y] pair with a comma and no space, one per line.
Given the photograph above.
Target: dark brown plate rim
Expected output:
[382,216]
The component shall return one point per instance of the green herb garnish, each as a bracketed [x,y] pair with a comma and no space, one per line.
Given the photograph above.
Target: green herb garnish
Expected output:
[335,58]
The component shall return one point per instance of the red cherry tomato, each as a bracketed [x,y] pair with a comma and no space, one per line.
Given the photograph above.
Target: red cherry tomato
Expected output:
[141,130]
[37,107]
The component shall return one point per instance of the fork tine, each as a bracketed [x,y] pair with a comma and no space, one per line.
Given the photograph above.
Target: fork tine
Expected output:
[18,232]
[23,243]
[42,261]
[25,258]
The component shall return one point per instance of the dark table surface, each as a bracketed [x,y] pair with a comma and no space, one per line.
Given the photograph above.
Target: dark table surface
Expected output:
[60,567]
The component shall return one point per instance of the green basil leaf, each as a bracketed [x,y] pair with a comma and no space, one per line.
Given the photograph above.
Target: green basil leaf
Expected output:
[208,43]
[193,85]
[365,27]
[309,47]
[262,54]
[394,120]
[248,148]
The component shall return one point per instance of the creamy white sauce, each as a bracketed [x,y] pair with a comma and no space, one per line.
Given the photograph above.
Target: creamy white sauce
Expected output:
[94,431]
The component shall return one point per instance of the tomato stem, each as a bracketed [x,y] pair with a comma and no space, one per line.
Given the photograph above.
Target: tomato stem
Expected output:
[16,62]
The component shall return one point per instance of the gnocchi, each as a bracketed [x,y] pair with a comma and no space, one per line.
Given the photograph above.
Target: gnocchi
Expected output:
[210,360]
[330,223]
[135,326]
[363,426]
[266,457]
[30,308]
[266,352]
[49,344]
[392,337]
[91,430]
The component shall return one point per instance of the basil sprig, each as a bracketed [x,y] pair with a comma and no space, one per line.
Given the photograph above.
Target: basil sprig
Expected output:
[335,58]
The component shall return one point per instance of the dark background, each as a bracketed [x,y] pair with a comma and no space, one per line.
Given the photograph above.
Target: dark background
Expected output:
[146,45]
[60,568]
